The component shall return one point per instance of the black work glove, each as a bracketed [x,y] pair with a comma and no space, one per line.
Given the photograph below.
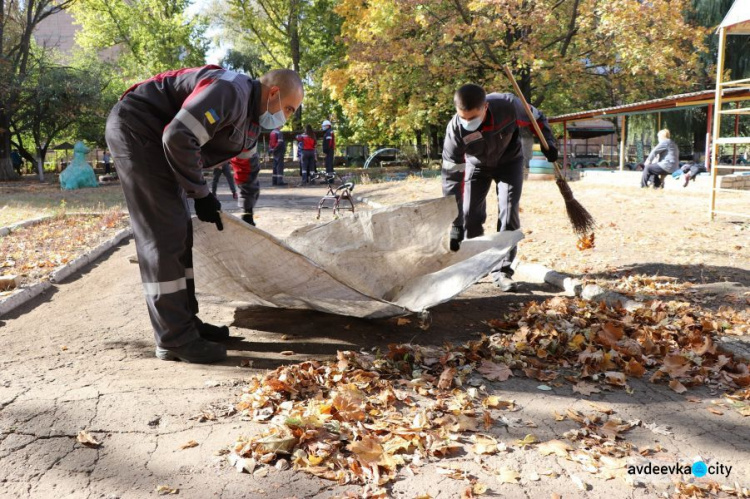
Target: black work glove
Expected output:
[551,153]
[248,219]
[457,235]
[208,209]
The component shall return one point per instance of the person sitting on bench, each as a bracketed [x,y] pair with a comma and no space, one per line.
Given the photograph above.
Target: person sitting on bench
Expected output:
[663,160]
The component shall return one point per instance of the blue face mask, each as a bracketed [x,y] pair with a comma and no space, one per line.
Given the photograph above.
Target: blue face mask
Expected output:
[471,125]
[276,120]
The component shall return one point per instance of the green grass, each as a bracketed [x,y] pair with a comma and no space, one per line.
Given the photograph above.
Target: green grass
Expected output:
[25,199]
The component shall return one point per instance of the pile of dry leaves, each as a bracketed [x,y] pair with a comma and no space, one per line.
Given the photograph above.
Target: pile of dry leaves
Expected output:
[35,252]
[365,417]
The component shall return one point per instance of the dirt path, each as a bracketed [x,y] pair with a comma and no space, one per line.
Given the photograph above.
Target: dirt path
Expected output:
[81,358]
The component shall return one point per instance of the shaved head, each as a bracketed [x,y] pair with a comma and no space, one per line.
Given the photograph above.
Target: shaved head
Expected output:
[287,80]
[281,90]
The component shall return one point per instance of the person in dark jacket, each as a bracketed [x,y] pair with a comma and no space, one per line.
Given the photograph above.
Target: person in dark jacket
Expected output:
[329,145]
[691,170]
[277,147]
[226,170]
[163,133]
[107,159]
[663,160]
[482,145]
[15,158]
[307,157]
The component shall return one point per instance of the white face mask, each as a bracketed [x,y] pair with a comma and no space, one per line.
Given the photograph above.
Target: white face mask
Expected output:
[276,120]
[471,125]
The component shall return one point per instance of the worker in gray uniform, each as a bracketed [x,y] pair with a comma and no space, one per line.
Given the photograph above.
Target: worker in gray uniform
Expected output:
[482,145]
[162,133]
[329,145]
[277,148]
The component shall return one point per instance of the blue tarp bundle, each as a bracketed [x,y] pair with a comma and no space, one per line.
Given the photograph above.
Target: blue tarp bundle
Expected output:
[79,173]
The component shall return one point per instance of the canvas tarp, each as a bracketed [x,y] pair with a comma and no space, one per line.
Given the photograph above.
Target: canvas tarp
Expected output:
[381,263]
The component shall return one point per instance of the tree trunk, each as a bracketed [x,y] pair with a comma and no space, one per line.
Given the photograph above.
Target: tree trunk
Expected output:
[6,165]
[294,8]
[436,148]
[40,165]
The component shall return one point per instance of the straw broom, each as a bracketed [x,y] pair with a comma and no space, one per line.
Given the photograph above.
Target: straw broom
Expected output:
[581,220]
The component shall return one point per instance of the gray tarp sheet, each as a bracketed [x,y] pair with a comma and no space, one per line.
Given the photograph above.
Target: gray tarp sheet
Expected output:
[382,263]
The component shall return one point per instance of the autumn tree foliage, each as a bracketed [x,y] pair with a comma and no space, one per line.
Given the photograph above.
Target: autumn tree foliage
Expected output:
[404,58]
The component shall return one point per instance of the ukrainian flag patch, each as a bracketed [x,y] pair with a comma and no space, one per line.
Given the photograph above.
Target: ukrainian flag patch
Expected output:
[211,116]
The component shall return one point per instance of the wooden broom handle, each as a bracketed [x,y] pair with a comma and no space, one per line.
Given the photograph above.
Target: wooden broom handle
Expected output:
[538,130]
[519,94]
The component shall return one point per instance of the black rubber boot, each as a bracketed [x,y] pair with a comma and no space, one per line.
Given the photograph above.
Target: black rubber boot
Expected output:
[198,351]
[210,332]
[457,235]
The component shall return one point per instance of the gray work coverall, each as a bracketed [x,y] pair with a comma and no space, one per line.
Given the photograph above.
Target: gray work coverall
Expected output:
[246,168]
[329,146]
[278,150]
[473,160]
[162,134]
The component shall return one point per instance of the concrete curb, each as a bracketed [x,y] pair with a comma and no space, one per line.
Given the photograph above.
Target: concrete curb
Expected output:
[4,231]
[571,286]
[23,296]
[27,294]
[87,258]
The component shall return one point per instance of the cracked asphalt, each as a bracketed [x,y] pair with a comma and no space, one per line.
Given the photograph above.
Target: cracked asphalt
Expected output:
[80,357]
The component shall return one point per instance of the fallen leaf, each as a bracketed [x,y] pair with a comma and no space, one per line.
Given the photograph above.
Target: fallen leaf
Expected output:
[675,365]
[87,440]
[613,427]
[634,368]
[403,321]
[659,430]
[556,447]
[164,490]
[494,371]
[483,444]
[479,488]
[677,386]
[615,378]
[507,475]
[585,388]
[610,334]
[368,450]
[527,440]
[286,353]
[446,378]
[495,402]
[585,242]
[715,411]
[189,444]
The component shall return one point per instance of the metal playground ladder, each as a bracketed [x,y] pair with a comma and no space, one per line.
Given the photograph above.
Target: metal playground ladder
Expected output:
[736,22]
